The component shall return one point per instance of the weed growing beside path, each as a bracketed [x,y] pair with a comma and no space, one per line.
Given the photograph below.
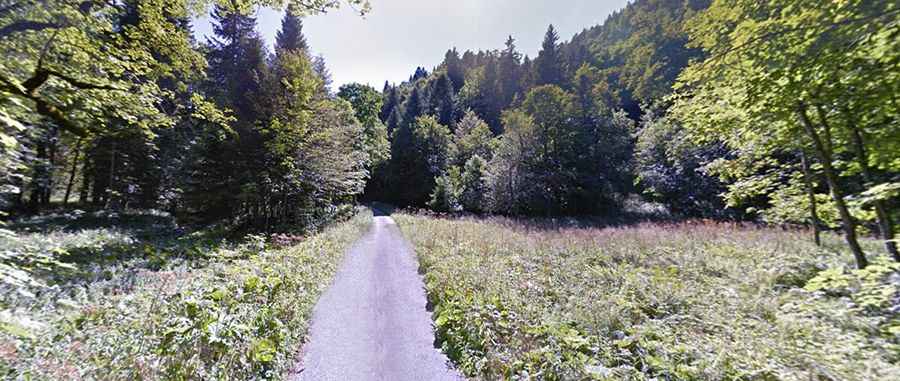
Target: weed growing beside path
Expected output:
[682,301]
[125,304]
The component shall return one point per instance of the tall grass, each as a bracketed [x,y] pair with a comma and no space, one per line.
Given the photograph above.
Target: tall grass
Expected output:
[98,302]
[686,301]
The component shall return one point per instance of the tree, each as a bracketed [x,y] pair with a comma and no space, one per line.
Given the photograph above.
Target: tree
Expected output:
[391,101]
[413,107]
[419,152]
[366,102]
[443,101]
[290,37]
[509,74]
[472,137]
[509,174]
[787,71]
[549,67]
[673,169]
[474,187]
[116,87]
[489,105]
[447,192]
[455,70]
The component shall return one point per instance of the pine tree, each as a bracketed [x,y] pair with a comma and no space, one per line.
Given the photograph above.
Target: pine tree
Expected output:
[455,70]
[412,108]
[549,63]
[509,75]
[491,105]
[290,37]
[391,102]
[443,101]
[237,62]
[226,172]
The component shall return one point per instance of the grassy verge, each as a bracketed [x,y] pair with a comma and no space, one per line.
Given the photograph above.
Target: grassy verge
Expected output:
[139,301]
[697,301]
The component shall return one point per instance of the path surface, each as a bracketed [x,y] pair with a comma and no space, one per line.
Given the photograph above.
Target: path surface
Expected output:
[372,324]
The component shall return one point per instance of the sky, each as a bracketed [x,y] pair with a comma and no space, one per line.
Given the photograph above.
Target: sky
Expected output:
[398,35]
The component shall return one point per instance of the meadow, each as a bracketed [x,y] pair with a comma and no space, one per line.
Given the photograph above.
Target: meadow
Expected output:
[127,296]
[561,300]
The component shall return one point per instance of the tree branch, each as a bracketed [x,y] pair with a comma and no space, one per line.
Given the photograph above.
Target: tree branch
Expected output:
[81,84]
[44,108]
[25,25]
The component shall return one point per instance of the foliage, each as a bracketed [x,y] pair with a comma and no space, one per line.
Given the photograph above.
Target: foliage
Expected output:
[687,301]
[447,192]
[474,187]
[143,302]
[674,170]
[419,153]
[472,137]
[777,82]
[367,103]
[122,98]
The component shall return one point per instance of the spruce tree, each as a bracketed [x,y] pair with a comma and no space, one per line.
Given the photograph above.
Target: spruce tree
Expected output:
[412,108]
[549,63]
[491,105]
[391,102]
[455,69]
[443,101]
[290,37]
[509,75]
[227,170]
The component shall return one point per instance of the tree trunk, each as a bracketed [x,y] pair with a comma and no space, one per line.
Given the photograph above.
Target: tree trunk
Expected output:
[825,157]
[811,193]
[72,172]
[85,191]
[51,161]
[885,225]
[112,171]
[39,177]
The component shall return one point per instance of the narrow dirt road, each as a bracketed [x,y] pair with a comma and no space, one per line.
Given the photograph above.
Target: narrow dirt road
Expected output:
[372,324]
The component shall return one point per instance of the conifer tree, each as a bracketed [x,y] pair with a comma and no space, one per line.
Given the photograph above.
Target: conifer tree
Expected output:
[391,102]
[549,63]
[455,69]
[509,73]
[490,103]
[291,37]
[227,171]
[412,108]
[443,101]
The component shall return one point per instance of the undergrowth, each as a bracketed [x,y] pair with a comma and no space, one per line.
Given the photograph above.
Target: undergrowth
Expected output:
[130,296]
[690,301]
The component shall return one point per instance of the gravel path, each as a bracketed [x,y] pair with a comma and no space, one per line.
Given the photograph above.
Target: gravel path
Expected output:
[372,324]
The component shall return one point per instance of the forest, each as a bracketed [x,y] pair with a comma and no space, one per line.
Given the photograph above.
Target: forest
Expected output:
[173,205]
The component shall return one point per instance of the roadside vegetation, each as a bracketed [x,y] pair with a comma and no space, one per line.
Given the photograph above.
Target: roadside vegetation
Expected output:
[126,296]
[681,301]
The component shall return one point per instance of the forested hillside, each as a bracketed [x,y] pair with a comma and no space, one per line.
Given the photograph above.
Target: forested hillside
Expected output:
[777,112]
[689,190]
[584,97]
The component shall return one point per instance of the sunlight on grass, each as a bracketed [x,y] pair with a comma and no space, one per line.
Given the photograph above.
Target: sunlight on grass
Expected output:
[133,305]
[675,301]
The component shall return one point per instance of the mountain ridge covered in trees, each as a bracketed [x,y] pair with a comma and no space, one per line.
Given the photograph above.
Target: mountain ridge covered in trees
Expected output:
[673,100]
